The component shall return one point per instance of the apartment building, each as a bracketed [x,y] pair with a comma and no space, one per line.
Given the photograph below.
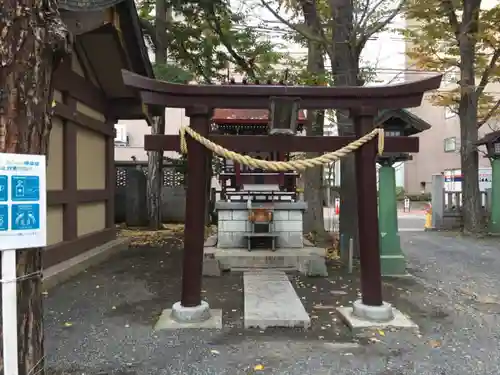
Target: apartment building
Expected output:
[129,140]
[440,145]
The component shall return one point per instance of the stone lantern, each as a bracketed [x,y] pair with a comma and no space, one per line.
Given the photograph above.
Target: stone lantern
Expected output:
[492,143]
[396,123]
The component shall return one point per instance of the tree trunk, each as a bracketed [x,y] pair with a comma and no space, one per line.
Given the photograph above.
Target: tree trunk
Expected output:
[345,69]
[473,219]
[314,221]
[155,158]
[155,180]
[33,40]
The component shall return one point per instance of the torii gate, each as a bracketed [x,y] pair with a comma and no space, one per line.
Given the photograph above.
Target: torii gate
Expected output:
[363,103]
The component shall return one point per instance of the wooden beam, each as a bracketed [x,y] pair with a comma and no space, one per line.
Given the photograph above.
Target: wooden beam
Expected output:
[196,196]
[70,164]
[80,88]
[247,143]
[366,191]
[165,94]
[163,100]
[71,114]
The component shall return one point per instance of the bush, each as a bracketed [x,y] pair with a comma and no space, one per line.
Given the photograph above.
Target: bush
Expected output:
[400,192]
[424,197]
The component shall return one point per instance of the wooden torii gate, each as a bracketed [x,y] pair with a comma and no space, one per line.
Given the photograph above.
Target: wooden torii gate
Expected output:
[364,103]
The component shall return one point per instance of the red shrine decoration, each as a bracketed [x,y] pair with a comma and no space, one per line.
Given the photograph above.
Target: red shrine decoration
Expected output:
[252,122]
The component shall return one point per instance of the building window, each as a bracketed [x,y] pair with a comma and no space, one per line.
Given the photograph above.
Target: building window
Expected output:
[393,133]
[449,112]
[121,138]
[450,144]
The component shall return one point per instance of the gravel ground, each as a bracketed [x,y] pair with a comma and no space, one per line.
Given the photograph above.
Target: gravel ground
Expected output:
[101,321]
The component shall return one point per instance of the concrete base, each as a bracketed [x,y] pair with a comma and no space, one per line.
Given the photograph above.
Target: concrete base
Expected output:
[61,272]
[308,260]
[357,324]
[379,314]
[193,314]
[189,317]
[393,265]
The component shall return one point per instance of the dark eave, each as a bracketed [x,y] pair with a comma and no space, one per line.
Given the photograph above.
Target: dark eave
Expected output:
[108,50]
[489,138]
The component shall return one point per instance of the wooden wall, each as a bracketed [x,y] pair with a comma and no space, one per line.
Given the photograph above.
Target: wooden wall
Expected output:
[80,173]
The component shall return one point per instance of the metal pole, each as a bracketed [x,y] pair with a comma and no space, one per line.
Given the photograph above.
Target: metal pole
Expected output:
[351,255]
[9,312]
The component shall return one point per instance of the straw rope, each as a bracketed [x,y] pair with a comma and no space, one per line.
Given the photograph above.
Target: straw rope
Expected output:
[282,166]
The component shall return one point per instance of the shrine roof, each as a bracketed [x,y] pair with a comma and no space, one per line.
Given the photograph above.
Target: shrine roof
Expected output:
[489,138]
[247,116]
[404,118]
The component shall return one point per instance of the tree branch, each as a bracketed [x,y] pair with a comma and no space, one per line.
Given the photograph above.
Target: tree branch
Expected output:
[303,30]
[376,27]
[247,66]
[449,10]
[487,72]
[489,114]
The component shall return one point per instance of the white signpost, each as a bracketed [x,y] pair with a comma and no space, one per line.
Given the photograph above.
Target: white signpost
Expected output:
[406,205]
[23,224]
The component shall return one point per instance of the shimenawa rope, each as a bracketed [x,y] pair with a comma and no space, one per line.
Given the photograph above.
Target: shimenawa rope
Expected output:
[282,166]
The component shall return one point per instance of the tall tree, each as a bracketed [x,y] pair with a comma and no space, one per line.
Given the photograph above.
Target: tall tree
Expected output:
[313,193]
[460,37]
[344,29]
[32,42]
[205,39]
[155,158]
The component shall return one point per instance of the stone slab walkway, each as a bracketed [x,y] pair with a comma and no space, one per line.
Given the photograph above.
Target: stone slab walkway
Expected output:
[271,301]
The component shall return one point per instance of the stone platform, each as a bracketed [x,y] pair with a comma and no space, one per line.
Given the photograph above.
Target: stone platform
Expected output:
[309,261]
[233,224]
[271,301]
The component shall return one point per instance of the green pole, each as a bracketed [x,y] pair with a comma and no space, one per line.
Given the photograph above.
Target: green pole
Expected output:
[495,197]
[391,256]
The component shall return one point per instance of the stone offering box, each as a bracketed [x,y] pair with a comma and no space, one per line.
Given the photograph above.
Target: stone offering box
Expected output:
[234,226]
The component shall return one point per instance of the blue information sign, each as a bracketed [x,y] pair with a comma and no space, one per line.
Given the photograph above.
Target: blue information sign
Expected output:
[25,188]
[25,216]
[4,217]
[4,183]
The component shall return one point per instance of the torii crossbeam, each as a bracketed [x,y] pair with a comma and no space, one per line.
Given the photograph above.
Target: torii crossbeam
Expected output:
[363,103]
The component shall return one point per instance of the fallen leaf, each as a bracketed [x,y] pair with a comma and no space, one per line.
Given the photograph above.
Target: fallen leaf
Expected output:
[258,368]
[435,344]
[381,333]
[68,324]
[338,292]
[323,307]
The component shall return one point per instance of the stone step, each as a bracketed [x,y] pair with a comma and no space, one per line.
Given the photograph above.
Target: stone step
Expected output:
[250,269]
[308,260]
[271,301]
